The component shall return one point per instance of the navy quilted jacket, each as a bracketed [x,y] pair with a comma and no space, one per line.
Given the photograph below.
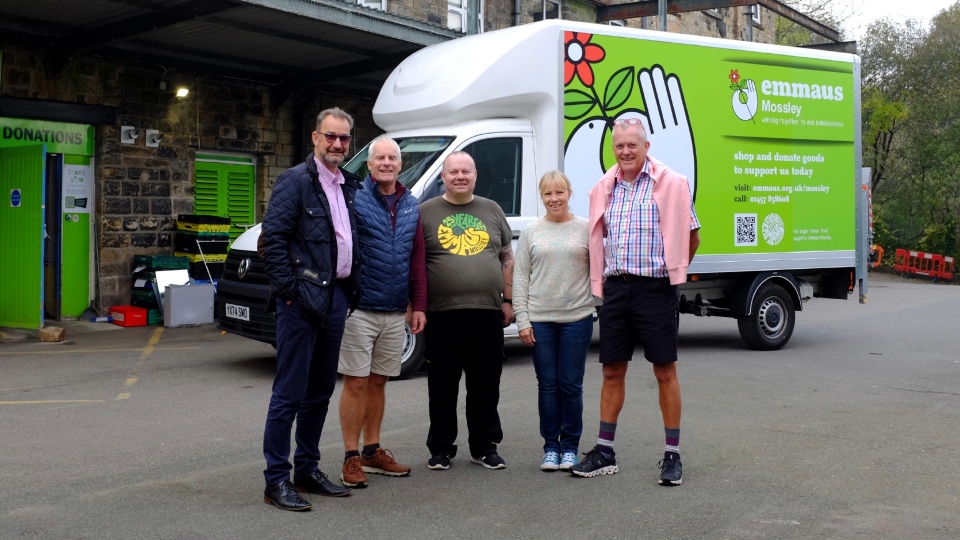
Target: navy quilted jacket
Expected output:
[386,248]
[299,243]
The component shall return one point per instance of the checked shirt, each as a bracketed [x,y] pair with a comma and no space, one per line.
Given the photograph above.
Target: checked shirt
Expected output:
[632,222]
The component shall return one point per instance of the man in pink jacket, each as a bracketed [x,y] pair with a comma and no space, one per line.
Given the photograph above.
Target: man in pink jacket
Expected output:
[645,213]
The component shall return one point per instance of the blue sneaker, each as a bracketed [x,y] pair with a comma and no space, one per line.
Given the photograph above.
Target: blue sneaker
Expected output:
[568,460]
[551,462]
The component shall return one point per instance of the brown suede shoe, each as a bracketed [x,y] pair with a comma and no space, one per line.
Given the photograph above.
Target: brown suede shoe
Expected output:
[352,474]
[382,462]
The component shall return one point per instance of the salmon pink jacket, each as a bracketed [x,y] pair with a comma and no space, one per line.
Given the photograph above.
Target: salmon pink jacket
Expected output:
[671,193]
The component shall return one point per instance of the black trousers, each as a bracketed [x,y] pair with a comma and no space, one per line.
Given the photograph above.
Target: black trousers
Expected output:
[464,341]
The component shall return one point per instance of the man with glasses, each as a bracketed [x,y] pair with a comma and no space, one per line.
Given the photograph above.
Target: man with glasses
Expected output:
[395,290]
[313,260]
[645,212]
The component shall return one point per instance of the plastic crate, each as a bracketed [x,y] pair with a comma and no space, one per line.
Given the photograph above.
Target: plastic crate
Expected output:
[160,262]
[128,316]
[186,242]
[197,258]
[203,219]
[199,272]
[154,316]
[202,228]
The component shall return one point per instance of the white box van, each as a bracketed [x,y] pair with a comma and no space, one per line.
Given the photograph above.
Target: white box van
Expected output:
[768,137]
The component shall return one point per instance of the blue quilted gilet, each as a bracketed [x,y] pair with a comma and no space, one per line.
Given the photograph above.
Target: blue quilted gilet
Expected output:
[385,250]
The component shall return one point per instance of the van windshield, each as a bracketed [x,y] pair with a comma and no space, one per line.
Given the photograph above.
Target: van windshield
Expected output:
[418,154]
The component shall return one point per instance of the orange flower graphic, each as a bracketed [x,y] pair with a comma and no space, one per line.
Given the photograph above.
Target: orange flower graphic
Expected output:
[579,54]
[734,76]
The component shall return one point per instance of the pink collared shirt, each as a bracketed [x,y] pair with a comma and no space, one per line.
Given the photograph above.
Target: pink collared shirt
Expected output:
[330,182]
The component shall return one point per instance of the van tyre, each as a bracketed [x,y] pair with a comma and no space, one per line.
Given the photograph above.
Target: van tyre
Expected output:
[770,323]
[414,347]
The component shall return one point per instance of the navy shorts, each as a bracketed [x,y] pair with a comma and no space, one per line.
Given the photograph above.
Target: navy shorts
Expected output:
[639,309]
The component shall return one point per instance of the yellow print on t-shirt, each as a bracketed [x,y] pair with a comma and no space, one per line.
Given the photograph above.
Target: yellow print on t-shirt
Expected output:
[463,234]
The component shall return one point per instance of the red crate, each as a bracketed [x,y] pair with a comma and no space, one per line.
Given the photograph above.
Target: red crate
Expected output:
[128,316]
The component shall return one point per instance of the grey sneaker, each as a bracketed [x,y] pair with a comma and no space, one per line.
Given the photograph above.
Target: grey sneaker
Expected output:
[490,461]
[671,470]
[595,463]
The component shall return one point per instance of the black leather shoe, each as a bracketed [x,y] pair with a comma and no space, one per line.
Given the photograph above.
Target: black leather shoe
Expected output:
[319,483]
[285,497]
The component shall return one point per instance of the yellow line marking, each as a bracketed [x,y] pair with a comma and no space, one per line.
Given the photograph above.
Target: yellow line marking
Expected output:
[144,356]
[51,401]
[76,351]
[152,343]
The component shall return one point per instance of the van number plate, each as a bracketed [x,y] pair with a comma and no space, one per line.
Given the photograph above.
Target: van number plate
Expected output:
[238,312]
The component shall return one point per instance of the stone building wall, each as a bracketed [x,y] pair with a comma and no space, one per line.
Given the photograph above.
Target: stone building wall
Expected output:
[140,190]
[428,11]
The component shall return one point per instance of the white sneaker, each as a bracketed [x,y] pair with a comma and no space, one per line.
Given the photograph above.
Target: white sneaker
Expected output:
[568,460]
[551,462]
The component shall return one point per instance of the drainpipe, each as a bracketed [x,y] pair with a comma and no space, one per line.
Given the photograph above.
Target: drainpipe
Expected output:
[300,136]
[748,31]
[473,17]
[662,10]
[516,12]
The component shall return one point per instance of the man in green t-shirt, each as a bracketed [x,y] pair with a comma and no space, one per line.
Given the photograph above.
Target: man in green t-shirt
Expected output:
[469,281]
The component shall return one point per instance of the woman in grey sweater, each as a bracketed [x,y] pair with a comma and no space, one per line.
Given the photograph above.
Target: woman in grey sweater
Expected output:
[554,311]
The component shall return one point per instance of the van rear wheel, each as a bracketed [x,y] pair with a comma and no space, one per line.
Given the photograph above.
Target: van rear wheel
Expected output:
[414,347]
[770,323]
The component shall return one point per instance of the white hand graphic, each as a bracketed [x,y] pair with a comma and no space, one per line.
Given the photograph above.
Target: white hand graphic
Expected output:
[669,133]
[582,161]
[745,111]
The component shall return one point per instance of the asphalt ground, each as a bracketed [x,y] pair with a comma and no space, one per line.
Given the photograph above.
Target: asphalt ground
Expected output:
[851,431]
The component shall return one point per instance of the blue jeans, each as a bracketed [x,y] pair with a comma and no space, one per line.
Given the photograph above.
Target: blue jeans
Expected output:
[559,357]
[307,359]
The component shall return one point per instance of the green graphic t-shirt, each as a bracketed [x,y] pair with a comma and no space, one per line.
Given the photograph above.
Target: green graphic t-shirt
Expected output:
[463,243]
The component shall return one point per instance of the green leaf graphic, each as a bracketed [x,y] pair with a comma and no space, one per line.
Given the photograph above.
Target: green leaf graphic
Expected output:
[576,104]
[743,83]
[734,86]
[618,88]
[743,98]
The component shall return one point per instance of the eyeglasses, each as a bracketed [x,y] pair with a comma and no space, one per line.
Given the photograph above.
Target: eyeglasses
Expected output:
[630,122]
[331,137]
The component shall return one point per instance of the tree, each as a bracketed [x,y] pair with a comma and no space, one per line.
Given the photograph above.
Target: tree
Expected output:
[829,12]
[911,127]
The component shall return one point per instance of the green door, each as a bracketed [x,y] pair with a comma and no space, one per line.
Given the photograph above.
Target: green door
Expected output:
[75,236]
[22,179]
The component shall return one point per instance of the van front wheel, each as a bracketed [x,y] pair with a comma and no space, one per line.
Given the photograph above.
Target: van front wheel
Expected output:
[414,346]
[770,323]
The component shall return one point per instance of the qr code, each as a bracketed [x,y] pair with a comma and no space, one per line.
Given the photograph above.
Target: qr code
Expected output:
[744,229]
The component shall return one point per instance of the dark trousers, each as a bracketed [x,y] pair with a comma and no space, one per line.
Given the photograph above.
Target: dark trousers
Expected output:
[464,341]
[307,358]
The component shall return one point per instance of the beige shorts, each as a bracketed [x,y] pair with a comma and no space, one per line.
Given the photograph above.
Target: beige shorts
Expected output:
[372,343]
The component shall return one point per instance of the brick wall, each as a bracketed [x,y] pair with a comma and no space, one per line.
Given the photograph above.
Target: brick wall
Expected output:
[140,190]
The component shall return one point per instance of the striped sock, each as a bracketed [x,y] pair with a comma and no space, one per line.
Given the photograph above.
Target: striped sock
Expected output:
[673,439]
[605,440]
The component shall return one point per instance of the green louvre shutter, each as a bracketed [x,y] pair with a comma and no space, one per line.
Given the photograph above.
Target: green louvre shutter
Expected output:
[240,198]
[225,186]
[206,198]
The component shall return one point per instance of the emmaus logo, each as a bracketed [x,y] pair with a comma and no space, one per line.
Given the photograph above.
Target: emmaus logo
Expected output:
[745,95]
[463,234]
